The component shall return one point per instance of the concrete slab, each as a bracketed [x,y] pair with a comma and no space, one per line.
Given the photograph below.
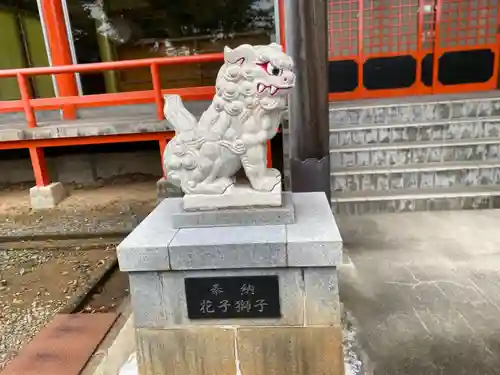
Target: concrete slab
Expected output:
[234,196]
[45,197]
[112,120]
[238,216]
[424,290]
[314,239]
[146,248]
[228,247]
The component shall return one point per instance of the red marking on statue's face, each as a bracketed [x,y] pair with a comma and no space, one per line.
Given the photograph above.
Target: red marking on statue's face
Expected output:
[271,69]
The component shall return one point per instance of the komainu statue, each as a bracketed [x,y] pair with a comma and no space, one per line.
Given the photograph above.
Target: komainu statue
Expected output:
[251,95]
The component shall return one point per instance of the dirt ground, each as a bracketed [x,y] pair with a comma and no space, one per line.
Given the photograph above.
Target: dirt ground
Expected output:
[109,296]
[105,209]
[37,281]
[35,285]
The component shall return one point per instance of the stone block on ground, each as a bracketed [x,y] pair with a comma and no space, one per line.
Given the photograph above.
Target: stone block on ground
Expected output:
[241,350]
[45,197]
[292,268]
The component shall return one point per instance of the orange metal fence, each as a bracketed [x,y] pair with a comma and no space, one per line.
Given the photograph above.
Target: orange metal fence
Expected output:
[68,104]
[381,48]
[29,105]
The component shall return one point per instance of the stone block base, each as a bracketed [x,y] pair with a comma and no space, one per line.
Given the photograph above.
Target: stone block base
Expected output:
[45,197]
[165,189]
[308,297]
[241,350]
[237,216]
[234,197]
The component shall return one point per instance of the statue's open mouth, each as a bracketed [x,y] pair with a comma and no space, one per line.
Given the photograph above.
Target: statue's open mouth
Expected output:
[272,89]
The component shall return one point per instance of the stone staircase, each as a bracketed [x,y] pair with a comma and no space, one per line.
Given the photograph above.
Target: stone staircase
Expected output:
[410,154]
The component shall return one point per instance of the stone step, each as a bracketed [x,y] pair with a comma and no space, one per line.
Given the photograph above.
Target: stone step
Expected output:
[415,109]
[390,154]
[408,200]
[348,135]
[413,176]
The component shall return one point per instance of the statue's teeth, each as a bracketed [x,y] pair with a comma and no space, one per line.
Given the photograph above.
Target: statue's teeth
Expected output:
[274,90]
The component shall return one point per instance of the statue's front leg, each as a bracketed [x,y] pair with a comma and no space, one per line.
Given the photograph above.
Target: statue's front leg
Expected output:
[255,165]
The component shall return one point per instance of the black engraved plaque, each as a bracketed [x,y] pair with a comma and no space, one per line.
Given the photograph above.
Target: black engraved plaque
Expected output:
[233,297]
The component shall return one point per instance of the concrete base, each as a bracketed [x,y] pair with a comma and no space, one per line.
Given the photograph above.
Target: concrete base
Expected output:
[241,350]
[45,197]
[304,337]
[313,240]
[165,189]
[308,297]
[234,197]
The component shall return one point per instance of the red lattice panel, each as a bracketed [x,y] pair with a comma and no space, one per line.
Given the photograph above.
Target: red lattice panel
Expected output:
[427,20]
[470,23]
[343,29]
[366,30]
[390,27]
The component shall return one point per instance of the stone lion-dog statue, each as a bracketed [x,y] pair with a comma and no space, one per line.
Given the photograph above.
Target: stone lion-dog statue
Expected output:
[251,94]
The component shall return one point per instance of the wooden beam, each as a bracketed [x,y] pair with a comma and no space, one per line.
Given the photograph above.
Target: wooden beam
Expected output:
[306,41]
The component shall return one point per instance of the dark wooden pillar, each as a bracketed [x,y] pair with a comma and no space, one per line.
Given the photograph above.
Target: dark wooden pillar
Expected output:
[307,42]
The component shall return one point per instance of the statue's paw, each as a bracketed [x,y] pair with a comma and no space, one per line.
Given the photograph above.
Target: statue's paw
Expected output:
[239,147]
[266,183]
[195,143]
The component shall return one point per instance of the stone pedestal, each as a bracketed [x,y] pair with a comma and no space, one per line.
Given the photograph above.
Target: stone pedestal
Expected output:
[237,291]
[45,197]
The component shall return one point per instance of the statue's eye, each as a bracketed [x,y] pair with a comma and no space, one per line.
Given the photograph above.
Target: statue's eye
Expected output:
[272,70]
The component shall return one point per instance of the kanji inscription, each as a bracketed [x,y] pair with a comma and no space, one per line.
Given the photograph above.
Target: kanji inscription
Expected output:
[233,297]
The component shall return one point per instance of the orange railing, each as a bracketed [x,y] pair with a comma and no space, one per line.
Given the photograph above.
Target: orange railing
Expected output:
[29,105]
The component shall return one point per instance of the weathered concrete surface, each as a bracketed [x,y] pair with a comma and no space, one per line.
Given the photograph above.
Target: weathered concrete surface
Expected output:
[424,288]
[86,169]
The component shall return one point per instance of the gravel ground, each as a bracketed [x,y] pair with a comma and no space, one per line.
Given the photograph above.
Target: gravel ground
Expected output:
[35,285]
[115,208]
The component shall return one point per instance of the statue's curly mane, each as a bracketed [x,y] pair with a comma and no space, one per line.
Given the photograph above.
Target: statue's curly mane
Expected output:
[236,89]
